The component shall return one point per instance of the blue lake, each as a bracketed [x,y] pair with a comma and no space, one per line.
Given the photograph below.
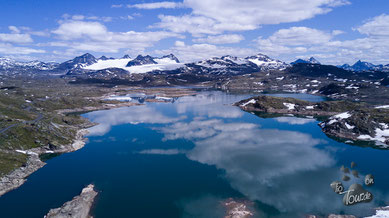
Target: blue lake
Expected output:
[183,159]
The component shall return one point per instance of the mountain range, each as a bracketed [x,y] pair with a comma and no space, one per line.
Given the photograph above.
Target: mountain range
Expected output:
[360,66]
[7,63]
[146,63]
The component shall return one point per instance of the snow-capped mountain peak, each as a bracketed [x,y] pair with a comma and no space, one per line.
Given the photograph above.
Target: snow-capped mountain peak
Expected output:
[360,66]
[216,62]
[104,58]
[267,63]
[168,58]
[85,59]
[78,62]
[8,63]
[311,60]
[233,59]
[141,60]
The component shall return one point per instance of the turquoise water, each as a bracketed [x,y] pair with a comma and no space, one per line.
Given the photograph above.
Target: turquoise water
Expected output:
[183,159]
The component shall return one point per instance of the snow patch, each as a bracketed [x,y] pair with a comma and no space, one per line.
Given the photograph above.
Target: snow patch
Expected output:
[119,98]
[252,101]
[342,116]
[383,107]
[280,78]
[380,135]
[290,106]
[349,126]
[26,152]
[332,122]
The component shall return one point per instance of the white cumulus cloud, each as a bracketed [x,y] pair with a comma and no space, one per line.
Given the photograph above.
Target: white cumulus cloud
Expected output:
[214,17]
[377,26]
[6,48]
[157,5]
[221,39]
[94,36]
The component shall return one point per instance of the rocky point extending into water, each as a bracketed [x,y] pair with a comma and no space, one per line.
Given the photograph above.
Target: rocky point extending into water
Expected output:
[78,207]
[48,121]
[19,176]
[342,119]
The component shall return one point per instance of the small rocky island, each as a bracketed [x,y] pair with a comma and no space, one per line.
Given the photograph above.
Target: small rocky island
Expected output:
[78,207]
[238,208]
[342,119]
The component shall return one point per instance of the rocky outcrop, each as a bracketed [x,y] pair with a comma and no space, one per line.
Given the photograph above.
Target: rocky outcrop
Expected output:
[237,209]
[283,105]
[17,177]
[346,120]
[78,207]
[95,108]
[360,125]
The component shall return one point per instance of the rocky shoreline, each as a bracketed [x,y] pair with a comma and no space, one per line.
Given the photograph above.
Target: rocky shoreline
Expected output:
[342,119]
[102,107]
[360,125]
[78,207]
[282,105]
[19,176]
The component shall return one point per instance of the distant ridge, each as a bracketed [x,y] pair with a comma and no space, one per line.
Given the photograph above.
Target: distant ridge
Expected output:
[311,60]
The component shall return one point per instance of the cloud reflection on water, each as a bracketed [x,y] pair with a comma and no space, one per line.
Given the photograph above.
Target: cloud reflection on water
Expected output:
[284,169]
[294,120]
[126,115]
[210,105]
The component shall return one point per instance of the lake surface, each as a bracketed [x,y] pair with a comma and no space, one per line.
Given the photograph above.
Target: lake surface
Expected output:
[184,158]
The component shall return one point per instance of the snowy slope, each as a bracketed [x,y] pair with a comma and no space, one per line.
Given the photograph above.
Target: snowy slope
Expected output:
[162,64]
[111,63]
[7,63]
[267,63]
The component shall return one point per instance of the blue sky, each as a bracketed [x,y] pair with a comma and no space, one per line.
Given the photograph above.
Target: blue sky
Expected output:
[333,31]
